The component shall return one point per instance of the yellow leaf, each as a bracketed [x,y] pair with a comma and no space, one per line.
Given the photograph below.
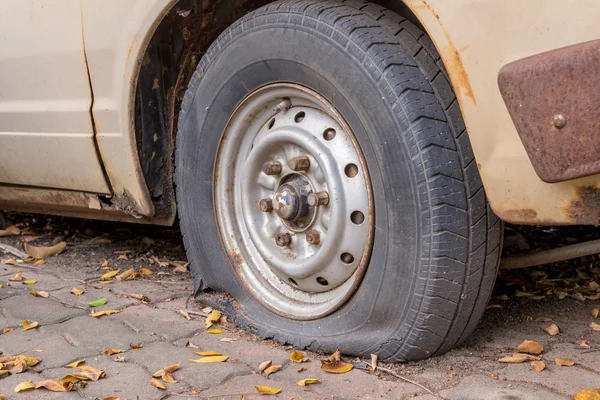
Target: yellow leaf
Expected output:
[552,330]
[185,314]
[89,373]
[17,278]
[6,330]
[109,352]
[27,325]
[10,231]
[44,252]
[104,312]
[212,318]
[595,312]
[208,353]
[24,387]
[595,326]
[587,394]
[39,294]
[531,347]
[297,357]
[125,276]
[75,364]
[157,384]
[538,366]
[110,274]
[215,331]
[267,389]
[77,291]
[55,385]
[564,362]
[335,365]
[165,373]
[518,358]
[272,369]
[308,381]
[264,365]
[105,264]
[145,271]
[10,261]
[29,282]
[213,359]
[40,261]
[73,378]
[30,361]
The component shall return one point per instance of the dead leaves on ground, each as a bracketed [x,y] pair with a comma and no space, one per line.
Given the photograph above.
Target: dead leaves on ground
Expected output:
[297,357]
[10,231]
[538,366]
[27,324]
[65,384]
[104,312]
[551,330]
[595,326]
[335,365]
[587,394]
[166,373]
[531,347]
[211,359]
[77,291]
[272,369]
[44,252]
[110,351]
[564,362]
[268,389]
[518,358]
[39,294]
[157,384]
[213,318]
[309,381]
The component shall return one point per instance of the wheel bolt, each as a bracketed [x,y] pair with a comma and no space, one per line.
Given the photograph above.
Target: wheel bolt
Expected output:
[266,205]
[313,237]
[318,199]
[272,168]
[299,164]
[283,106]
[283,239]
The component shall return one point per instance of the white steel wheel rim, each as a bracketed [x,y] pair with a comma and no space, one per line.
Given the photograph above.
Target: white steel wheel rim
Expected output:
[301,280]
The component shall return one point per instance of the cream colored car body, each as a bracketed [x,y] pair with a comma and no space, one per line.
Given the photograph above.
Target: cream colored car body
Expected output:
[59,59]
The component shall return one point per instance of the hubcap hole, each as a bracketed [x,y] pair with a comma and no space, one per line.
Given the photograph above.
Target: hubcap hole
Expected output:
[357,217]
[351,170]
[300,117]
[347,258]
[293,281]
[271,123]
[322,281]
[329,134]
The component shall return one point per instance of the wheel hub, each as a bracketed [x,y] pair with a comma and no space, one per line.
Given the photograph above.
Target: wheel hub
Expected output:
[295,203]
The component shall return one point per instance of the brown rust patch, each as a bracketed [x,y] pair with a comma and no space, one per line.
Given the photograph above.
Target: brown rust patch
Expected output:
[236,259]
[521,215]
[585,209]
[451,57]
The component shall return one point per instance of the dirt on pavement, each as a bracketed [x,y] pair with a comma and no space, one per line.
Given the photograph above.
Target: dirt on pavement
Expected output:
[524,302]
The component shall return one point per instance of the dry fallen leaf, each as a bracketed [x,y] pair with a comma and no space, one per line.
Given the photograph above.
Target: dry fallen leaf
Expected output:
[24,387]
[228,340]
[6,330]
[104,312]
[136,346]
[139,297]
[214,331]
[212,318]
[27,325]
[75,364]
[584,345]
[517,358]
[264,365]
[10,231]
[110,274]
[595,326]
[89,373]
[531,347]
[587,394]
[374,359]
[297,357]
[552,330]
[145,271]
[30,361]
[335,365]
[105,264]
[157,384]
[166,373]
[55,385]
[191,345]
[17,278]
[301,369]
[564,362]
[39,294]
[208,353]
[9,261]
[538,366]
[185,314]
[213,359]
[267,389]
[110,351]
[126,275]
[308,381]
[44,252]
[40,261]
[595,312]
[272,369]
[542,319]
[77,291]
[29,282]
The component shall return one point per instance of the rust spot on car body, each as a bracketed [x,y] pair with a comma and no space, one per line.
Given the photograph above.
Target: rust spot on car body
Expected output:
[520,215]
[585,209]
[451,56]
[236,259]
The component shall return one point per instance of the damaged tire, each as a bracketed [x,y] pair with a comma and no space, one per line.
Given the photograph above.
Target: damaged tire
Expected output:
[325,180]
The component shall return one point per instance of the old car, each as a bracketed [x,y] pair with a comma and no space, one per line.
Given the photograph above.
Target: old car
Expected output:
[341,168]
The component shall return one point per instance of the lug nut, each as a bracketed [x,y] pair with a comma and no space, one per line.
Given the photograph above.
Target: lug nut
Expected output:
[313,237]
[559,121]
[318,199]
[283,106]
[266,205]
[272,168]
[299,164]
[283,239]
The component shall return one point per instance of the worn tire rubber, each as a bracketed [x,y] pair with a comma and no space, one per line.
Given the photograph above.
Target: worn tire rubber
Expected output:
[437,243]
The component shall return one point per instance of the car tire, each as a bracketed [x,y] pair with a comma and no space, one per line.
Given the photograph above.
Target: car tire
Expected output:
[436,243]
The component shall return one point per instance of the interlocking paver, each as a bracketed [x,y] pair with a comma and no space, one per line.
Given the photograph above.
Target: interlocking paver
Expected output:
[478,387]
[44,311]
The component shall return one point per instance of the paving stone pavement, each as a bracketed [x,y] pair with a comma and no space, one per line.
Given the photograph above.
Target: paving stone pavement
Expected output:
[67,333]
